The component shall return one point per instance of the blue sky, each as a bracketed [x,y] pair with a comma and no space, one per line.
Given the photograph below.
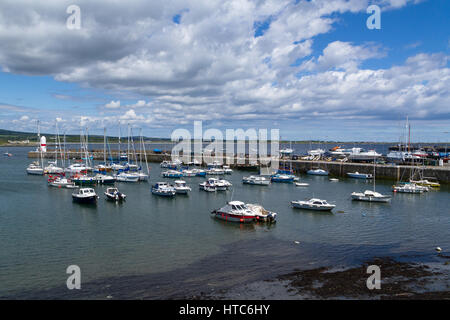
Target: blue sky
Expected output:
[311,69]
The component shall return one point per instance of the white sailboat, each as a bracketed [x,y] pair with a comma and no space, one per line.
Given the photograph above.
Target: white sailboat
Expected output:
[369,195]
[37,167]
[52,167]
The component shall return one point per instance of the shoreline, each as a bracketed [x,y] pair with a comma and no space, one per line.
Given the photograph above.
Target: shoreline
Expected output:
[399,281]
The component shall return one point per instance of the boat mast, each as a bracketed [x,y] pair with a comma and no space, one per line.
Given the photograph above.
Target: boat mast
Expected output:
[145,152]
[104,145]
[128,142]
[118,157]
[374,174]
[39,145]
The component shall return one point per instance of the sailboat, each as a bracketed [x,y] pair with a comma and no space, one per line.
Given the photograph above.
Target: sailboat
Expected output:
[371,195]
[52,167]
[143,176]
[409,187]
[36,168]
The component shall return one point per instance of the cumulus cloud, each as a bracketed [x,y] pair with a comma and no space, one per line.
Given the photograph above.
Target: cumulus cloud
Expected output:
[207,64]
[113,105]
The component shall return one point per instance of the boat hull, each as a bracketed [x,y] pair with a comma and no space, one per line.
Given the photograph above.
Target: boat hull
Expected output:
[232,218]
[370,199]
[90,199]
[310,207]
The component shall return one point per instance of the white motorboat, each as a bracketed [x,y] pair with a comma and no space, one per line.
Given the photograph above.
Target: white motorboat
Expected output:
[286,151]
[219,185]
[256,180]
[317,172]
[163,189]
[227,169]
[171,164]
[104,179]
[77,168]
[215,171]
[85,195]
[261,214]
[181,187]
[370,196]
[316,152]
[53,169]
[358,154]
[358,175]
[334,179]
[172,174]
[61,182]
[35,169]
[301,184]
[127,177]
[117,167]
[188,173]
[114,194]
[313,204]
[409,188]
[283,178]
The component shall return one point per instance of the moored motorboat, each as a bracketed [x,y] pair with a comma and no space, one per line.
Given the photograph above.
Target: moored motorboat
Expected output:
[84,180]
[172,174]
[114,194]
[409,188]
[77,168]
[235,211]
[370,196]
[127,177]
[61,182]
[313,204]
[284,178]
[219,185]
[227,169]
[317,172]
[215,171]
[261,214]
[181,187]
[256,180]
[104,179]
[358,175]
[85,195]
[301,184]
[163,189]
[53,169]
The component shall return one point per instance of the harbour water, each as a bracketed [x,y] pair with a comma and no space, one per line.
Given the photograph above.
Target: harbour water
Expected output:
[152,247]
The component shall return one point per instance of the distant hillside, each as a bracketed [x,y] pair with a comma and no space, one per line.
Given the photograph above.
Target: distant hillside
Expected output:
[6,135]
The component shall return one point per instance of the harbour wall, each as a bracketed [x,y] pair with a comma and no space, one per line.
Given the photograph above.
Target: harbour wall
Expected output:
[335,168]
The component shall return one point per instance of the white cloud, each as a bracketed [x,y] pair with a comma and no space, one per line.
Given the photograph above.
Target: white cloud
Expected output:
[113,105]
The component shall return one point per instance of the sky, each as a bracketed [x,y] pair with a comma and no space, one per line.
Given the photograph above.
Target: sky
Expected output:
[312,69]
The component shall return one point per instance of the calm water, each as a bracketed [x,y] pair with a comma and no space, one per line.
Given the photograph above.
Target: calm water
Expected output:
[156,247]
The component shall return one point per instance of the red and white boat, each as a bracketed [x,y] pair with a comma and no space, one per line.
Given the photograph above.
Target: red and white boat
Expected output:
[237,211]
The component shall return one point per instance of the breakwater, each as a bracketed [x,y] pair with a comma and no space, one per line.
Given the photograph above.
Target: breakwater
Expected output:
[336,168]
